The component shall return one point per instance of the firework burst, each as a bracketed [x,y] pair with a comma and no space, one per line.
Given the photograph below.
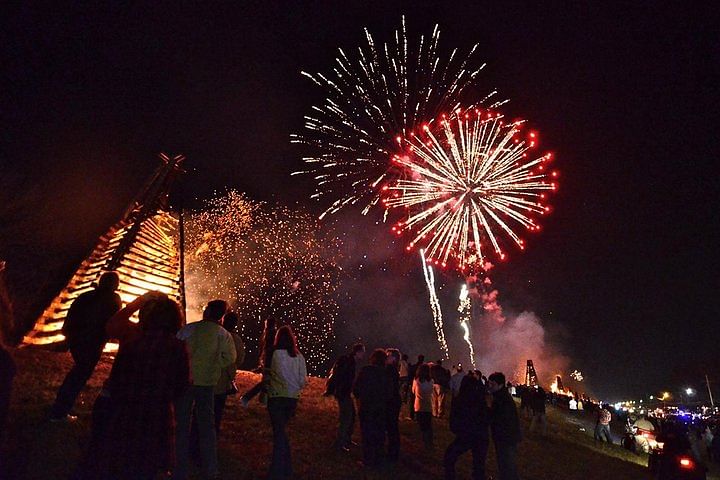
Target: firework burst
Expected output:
[466,184]
[374,95]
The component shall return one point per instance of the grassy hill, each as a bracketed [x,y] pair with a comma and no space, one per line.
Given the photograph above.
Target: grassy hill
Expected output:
[36,449]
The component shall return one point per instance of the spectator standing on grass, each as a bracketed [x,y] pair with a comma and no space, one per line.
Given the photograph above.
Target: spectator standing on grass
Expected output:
[715,445]
[372,390]
[150,371]
[469,421]
[423,390]
[526,402]
[456,379]
[266,352]
[287,377]
[412,373]
[441,386]
[84,330]
[602,427]
[707,439]
[404,373]
[392,411]
[340,385]
[505,427]
[538,410]
[212,350]
[226,384]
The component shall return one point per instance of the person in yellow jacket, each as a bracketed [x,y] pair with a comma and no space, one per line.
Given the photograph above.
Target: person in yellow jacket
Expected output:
[212,350]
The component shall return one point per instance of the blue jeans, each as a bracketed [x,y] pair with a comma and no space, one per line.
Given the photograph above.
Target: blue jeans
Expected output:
[602,431]
[202,398]
[281,410]
[506,460]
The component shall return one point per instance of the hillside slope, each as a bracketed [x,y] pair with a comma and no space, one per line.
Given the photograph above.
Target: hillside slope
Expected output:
[37,449]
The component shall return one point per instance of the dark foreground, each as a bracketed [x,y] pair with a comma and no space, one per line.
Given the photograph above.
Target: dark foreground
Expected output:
[37,449]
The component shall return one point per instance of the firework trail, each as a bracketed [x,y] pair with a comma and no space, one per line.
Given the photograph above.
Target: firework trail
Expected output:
[466,184]
[465,310]
[435,305]
[376,96]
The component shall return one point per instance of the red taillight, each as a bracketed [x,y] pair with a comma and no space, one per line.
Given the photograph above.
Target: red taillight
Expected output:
[685,462]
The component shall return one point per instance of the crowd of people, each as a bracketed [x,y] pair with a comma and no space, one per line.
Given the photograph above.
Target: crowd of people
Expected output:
[479,408]
[160,409]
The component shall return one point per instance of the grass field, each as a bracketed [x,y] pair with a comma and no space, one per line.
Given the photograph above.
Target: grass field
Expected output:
[36,449]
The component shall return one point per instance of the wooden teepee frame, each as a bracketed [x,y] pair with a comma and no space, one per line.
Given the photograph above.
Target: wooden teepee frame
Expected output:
[144,247]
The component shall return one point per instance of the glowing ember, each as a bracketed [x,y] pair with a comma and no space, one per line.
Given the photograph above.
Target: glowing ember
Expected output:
[267,261]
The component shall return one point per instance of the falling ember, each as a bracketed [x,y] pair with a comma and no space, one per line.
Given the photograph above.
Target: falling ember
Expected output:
[467,181]
[376,95]
[465,310]
[435,305]
[268,261]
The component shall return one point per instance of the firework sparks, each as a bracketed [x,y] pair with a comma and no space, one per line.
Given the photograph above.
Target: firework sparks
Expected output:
[577,375]
[373,96]
[435,305]
[465,310]
[468,183]
[267,261]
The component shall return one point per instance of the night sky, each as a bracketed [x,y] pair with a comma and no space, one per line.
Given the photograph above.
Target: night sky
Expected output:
[624,273]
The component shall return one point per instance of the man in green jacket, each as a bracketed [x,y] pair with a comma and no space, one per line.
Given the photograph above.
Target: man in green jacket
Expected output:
[212,350]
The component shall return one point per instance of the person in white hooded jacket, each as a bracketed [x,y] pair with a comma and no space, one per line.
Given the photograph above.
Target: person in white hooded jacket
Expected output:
[287,377]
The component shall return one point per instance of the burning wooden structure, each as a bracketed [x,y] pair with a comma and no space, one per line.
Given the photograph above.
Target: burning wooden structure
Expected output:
[531,378]
[144,247]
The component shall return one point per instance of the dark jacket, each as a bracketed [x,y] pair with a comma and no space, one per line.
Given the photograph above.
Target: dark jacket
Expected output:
[340,382]
[84,326]
[373,389]
[505,424]
[394,401]
[440,375]
[469,413]
[537,401]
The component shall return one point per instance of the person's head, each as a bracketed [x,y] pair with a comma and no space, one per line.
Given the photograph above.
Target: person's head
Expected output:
[161,313]
[423,373]
[358,351]
[458,368]
[230,321]
[215,310]
[468,386]
[439,363]
[405,357]
[496,382]
[421,359]
[109,281]
[285,340]
[393,356]
[378,357]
